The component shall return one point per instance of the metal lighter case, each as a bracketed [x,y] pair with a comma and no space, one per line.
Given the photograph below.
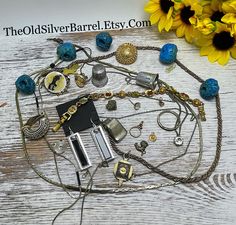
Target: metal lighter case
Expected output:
[115,129]
[148,80]
[79,151]
[102,143]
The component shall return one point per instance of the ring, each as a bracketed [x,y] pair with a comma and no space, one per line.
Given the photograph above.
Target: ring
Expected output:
[177,123]
[133,132]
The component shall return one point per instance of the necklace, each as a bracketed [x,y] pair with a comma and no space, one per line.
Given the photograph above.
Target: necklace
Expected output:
[163,89]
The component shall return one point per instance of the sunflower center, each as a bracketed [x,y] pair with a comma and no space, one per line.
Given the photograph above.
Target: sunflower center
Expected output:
[216,16]
[223,40]
[185,14]
[165,5]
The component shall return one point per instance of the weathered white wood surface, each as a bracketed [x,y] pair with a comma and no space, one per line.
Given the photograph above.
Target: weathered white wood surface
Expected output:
[26,199]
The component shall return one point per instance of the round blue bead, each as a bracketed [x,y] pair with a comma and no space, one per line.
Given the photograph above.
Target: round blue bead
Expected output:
[209,89]
[25,84]
[103,41]
[66,51]
[168,53]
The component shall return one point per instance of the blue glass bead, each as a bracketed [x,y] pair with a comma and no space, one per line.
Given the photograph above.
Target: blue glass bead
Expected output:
[168,53]
[66,51]
[209,89]
[25,84]
[103,41]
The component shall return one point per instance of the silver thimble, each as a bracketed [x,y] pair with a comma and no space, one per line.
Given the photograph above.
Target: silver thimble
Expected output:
[99,76]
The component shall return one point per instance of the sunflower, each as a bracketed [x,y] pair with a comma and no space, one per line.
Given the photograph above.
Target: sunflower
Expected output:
[219,45]
[213,10]
[186,10]
[161,13]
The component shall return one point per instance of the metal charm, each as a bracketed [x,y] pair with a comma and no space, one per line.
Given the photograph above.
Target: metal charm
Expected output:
[136,131]
[79,151]
[161,103]
[123,171]
[147,80]
[102,143]
[59,146]
[115,129]
[80,80]
[111,105]
[56,82]
[152,137]
[178,141]
[141,147]
[36,127]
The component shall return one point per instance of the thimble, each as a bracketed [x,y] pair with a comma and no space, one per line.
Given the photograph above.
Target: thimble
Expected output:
[99,76]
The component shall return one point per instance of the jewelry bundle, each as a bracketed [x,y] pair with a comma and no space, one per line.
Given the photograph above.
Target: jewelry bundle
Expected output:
[108,132]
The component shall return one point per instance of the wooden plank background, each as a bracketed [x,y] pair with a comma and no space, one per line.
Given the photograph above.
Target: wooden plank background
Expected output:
[26,199]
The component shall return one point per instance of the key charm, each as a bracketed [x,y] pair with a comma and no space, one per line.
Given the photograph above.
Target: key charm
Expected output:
[123,171]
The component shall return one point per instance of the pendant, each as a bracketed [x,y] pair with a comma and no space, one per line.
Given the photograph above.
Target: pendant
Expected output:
[102,143]
[36,127]
[123,171]
[79,151]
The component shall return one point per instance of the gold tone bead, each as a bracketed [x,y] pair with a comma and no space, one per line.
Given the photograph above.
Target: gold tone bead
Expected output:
[126,54]
[149,93]
[184,96]
[72,109]
[162,90]
[122,94]
[108,94]
[94,96]
[134,94]
[196,102]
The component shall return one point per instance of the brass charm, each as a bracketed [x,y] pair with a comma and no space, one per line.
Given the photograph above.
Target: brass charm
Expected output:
[123,171]
[152,137]
[80,80]
[126,54]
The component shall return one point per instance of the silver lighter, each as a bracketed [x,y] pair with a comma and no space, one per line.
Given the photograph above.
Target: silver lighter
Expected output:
[79,151]
[102,143]
[115,129]
[148,80]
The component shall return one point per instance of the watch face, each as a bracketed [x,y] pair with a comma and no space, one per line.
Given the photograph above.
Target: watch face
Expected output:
[55,82]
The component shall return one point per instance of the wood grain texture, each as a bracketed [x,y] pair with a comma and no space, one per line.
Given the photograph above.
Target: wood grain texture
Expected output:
[26,199]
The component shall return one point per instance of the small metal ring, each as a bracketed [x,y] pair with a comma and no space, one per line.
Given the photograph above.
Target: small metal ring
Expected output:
[177,123]
[132,131]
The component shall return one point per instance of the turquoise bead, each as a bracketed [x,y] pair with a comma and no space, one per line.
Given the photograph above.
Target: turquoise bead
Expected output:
[66,51]
[25,84]
[103,41]
[168,53]
[209,89]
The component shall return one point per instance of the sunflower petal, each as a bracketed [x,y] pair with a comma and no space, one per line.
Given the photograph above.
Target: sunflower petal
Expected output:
[169,24]
[151,7]
[162,23]
[214,55]
[170,12]
[155,17]
[233,52]
[180,31]
[224,58]
[205,50]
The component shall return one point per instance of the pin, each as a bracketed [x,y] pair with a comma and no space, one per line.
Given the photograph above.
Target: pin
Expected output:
[56,82]
[123,171]
[126,54]
[137,105]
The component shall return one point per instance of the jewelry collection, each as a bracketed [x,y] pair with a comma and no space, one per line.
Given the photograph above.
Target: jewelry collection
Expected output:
[108,133]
